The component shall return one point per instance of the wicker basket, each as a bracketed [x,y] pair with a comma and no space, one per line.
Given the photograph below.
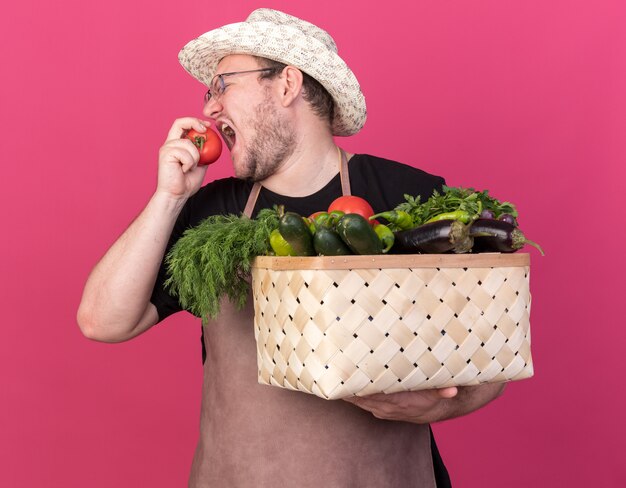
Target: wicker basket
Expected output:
[356,325]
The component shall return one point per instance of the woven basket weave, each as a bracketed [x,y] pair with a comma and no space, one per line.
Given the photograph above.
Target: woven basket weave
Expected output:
[356,325]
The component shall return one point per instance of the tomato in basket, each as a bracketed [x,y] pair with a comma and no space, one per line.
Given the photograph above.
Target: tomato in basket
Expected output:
[352,204]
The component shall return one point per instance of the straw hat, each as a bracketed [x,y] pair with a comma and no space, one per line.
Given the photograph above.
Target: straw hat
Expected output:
[287,39]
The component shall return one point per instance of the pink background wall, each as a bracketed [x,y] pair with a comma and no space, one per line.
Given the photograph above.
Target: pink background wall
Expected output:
[527,99]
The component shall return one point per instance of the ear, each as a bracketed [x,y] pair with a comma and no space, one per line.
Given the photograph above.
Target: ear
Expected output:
[291,86]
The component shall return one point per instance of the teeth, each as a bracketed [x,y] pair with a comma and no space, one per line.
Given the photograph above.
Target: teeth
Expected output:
[226,129]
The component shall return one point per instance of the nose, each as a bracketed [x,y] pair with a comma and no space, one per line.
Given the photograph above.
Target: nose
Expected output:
[212,108]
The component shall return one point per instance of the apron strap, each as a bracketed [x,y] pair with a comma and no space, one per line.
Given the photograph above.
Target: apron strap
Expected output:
[344,176]
[343,172]
[254,194]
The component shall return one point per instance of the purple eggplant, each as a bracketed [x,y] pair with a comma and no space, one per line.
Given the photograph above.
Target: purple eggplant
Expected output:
[492,235]
[487,214]
[508,218]
[437,237]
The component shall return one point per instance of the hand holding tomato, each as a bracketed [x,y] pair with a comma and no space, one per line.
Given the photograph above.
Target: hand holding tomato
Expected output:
[180,175]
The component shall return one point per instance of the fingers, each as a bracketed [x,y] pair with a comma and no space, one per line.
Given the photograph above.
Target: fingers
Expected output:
[382,398]
[409,406]
[184,124]
[383,404]
[179,173]
[181,151]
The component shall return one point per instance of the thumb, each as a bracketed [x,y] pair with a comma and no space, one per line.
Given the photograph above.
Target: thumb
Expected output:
[449,392]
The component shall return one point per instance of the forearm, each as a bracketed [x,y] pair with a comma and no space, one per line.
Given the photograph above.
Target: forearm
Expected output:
[117,293]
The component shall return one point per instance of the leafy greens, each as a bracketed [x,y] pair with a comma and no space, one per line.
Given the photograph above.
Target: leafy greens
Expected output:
[451,199]
[213,260]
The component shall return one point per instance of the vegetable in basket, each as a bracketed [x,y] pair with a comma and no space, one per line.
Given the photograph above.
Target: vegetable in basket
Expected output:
[358,234]
[351,204]
[467,220]
[463,204]
[345,228]
[386,236]
[296,232]
[398,219]
[213,260]
[327,242]
[460,215]
[437,237]
[279,245]
[492,235]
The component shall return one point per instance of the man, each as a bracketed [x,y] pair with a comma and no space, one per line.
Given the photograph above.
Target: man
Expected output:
[278,93]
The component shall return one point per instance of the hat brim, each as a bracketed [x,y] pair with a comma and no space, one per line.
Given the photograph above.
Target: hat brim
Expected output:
[288,45]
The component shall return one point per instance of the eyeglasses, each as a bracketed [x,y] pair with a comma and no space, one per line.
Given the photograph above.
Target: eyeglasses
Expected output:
[218,86]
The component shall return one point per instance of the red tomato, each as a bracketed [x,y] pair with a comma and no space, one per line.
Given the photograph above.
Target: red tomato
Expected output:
[208,143]
[352,204]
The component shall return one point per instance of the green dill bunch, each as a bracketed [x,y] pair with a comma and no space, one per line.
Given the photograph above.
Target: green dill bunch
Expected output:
[213,260]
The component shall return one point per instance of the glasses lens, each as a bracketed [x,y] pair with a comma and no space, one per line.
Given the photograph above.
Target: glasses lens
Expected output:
[217,86]
[214,89]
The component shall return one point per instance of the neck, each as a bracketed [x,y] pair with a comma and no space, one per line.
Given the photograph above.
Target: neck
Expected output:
[308,169]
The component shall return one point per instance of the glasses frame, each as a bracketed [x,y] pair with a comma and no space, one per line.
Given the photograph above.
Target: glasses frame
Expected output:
[218,86]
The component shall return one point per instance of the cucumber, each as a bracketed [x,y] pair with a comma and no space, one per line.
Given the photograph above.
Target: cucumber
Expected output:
[296,232]
[328,243]
[358,234]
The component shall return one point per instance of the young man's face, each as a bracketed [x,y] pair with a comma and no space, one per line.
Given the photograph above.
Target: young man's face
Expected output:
[252,123]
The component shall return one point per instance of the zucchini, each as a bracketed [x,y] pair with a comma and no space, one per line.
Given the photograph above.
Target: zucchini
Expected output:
[328,243]
[358,234]
[296,232]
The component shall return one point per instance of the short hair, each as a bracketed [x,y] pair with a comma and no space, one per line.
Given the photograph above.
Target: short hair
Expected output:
[314,93]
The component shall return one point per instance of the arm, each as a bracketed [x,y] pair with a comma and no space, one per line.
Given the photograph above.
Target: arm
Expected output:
[427,406]
[115,305]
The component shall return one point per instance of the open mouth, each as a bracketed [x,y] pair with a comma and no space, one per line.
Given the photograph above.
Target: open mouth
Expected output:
[228,134]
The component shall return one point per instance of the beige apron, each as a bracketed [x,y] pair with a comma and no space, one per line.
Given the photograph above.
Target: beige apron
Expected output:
[263,436]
